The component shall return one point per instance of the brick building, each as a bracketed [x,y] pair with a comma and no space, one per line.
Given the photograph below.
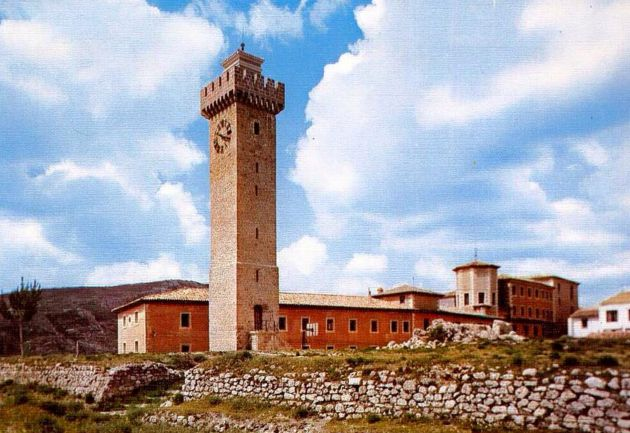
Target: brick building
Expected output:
[243,306]
[176,321]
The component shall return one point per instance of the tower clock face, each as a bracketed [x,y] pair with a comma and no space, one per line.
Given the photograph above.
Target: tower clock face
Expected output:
[222,136]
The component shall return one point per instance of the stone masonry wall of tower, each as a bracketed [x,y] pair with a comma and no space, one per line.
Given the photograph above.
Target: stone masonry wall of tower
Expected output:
[241,106]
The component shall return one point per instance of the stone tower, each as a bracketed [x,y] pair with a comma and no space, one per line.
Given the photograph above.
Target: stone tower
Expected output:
[241,106]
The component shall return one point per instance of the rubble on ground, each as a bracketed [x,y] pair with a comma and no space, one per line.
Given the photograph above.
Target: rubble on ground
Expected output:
[440,333]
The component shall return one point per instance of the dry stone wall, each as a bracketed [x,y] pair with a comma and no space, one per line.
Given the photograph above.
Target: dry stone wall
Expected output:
[557,400]
[82,379]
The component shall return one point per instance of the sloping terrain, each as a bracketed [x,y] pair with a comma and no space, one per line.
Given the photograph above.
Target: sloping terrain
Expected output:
[83,314]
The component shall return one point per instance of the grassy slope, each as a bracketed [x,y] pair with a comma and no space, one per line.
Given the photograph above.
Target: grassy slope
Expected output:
[535,353]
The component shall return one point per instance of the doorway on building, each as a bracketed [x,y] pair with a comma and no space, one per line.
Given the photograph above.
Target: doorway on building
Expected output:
[258,317]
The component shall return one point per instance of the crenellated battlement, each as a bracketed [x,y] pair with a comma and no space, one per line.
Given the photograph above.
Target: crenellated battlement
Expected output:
[241,84]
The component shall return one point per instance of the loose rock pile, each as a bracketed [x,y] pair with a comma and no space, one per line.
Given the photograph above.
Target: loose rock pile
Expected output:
[441,332]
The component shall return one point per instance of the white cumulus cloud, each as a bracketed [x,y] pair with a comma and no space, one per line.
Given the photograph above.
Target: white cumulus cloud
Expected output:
[363,263]
[164,267]
[586,43]
[192,224]
[26,239]
[304,256]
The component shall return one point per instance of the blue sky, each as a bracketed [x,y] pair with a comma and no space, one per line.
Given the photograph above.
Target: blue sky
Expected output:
[414,132]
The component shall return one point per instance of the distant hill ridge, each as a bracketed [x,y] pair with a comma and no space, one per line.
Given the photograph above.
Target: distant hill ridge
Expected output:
[70,314]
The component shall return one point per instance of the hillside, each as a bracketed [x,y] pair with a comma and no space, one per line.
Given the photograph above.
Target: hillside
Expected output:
[80,313]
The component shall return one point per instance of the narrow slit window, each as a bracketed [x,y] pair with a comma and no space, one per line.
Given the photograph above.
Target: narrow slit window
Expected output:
[256,128]
[256,232]
[256,189]
[257,275]
[257,168]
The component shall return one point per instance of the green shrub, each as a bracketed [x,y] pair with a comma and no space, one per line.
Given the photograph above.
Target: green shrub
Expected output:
[517,359]
[557,346]
[178,398]
[53,407]
[134,414]
[199,357]
[19,395]
[437,333]
[45,424]
[89,398]
[373,418]
[302,412]
[355,361]
[59,393]
[570,361]
[214,400]
[607,361]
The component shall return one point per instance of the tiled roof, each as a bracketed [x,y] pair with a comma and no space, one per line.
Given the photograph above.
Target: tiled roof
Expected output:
[584,313]
[406,288]
[183,294]
[526,279]
[619,298]
[344,301]
[545,277]
[475,264]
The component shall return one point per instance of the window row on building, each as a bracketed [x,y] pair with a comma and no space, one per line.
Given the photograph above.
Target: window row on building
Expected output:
[532,313]
[531,293]
[395,326]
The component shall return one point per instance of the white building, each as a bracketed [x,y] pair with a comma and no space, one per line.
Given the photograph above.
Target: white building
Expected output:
[612,315]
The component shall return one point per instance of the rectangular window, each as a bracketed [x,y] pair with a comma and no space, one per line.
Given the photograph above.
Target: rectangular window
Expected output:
[373,326]
[330,347]
[611,316]
[584,322]
[494,298]
[522,311]
[393,326]
[184,320]
[521,291]
[330,324]
[282,323]
[406,326]
[529,311]
[426,323]
[135,316]
[537,313]
[526,329]
[513,290]
[402,299]
[256,167]
[304,323]
[135,346]
[124,347]
[482,298]
[352,325]
[529,292]
[185,347]
[466,299]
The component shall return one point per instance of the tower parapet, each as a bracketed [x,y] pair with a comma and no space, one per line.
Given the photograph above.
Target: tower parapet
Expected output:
[241,81]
